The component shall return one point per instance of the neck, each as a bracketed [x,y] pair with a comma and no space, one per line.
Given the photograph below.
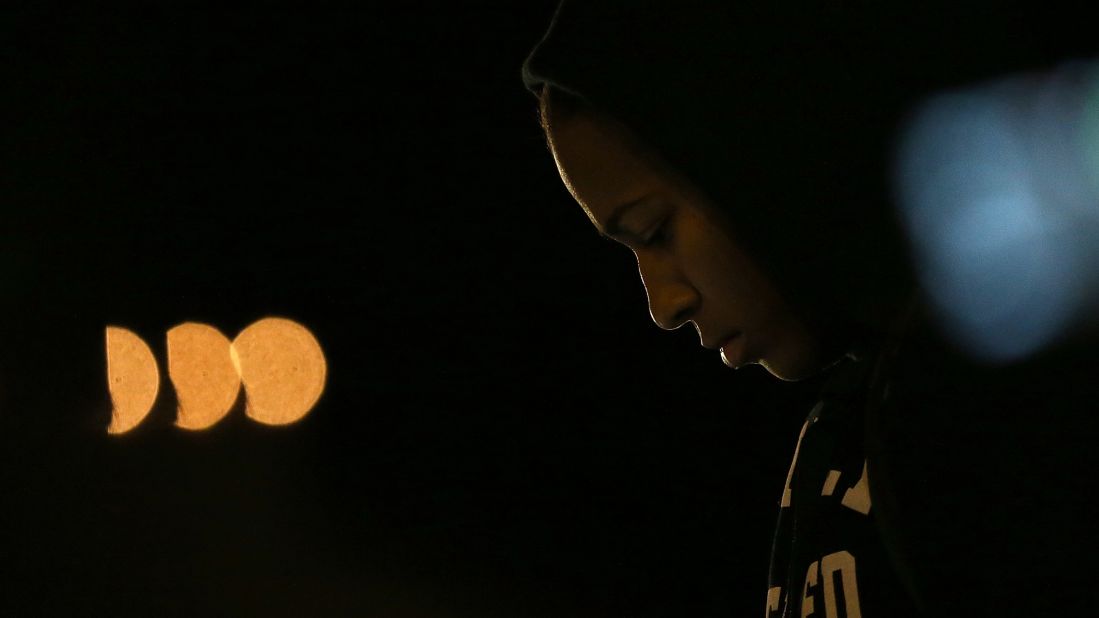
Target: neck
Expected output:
[869,322]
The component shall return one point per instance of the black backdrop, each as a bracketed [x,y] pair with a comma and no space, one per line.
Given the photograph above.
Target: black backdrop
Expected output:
[504,431]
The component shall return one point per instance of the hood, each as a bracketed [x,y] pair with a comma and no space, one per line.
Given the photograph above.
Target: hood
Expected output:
[784,116]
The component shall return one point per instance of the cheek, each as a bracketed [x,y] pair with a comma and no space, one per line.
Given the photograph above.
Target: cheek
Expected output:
[726,274]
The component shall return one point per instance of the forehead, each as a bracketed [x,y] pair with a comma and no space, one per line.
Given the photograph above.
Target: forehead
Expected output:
[601,165]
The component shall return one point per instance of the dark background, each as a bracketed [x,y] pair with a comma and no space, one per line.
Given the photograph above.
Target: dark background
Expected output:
[504,432]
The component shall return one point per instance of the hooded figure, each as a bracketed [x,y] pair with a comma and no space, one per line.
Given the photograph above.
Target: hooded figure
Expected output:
[921,480]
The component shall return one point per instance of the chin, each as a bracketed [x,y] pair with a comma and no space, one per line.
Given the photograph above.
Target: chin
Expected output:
[785,376]
[791,372]
[802,366]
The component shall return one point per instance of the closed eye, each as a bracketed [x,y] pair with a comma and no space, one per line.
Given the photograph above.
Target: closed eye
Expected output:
[660,235]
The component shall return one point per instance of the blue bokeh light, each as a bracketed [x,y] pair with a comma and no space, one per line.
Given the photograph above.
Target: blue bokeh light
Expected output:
[998,188]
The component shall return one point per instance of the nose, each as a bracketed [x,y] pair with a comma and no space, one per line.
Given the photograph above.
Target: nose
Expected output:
[672,298]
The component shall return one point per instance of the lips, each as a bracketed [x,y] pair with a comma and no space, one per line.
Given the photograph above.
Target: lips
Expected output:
[723,342]
[717,343]
[733,351]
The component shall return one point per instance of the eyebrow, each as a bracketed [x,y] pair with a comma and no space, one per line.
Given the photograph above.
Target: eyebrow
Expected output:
[612,228]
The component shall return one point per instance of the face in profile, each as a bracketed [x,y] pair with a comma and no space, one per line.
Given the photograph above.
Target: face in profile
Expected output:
[692,268]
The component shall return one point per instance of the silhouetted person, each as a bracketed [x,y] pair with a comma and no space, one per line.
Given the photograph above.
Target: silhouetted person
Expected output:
[744,154]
